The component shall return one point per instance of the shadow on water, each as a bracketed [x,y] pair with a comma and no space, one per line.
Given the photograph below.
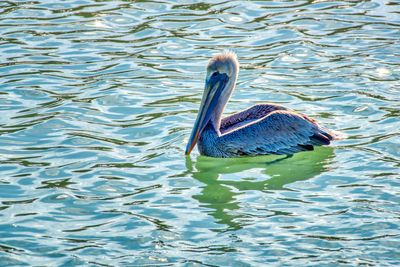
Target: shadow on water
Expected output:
[219,193]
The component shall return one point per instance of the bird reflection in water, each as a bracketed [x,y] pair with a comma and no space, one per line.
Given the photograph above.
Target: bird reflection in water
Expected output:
[221,185]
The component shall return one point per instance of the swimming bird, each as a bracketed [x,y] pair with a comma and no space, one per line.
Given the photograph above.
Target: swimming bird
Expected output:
[259,130]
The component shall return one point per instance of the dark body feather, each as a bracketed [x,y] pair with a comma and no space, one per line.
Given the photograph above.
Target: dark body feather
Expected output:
[261,130]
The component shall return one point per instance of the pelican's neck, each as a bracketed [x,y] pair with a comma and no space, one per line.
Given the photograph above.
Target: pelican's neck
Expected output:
[224,98]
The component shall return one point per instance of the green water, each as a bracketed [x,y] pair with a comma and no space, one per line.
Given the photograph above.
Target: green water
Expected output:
[97,101]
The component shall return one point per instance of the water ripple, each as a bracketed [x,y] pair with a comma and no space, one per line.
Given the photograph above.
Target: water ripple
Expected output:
[97,102]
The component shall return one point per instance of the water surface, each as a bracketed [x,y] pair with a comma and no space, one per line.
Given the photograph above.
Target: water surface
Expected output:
[97,101]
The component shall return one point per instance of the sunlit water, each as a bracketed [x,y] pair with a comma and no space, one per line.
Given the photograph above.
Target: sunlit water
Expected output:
[97,102]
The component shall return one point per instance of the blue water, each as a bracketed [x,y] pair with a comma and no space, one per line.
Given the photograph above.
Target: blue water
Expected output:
[97,101]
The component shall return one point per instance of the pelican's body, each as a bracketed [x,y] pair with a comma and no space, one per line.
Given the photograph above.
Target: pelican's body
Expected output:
[259,130]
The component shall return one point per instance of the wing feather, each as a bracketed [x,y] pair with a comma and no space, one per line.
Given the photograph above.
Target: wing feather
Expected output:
[279,132]
[249,115]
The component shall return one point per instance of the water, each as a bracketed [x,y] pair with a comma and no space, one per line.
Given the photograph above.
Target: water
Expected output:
[97,103]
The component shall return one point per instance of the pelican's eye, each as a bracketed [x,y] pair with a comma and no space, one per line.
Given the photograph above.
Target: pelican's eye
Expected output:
[215,74]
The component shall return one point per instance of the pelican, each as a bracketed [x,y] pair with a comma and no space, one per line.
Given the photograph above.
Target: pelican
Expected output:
[259,130]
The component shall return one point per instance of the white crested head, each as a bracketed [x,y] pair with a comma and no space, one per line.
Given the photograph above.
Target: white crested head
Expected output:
[225,62]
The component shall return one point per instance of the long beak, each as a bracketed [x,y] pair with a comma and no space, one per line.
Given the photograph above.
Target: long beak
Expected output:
[212,91]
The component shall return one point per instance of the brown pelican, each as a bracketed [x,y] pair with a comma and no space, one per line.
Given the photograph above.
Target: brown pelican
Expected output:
[259,130]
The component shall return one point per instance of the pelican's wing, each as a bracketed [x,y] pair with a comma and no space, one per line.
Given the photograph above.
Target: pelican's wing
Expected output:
[280,132]
[249,115]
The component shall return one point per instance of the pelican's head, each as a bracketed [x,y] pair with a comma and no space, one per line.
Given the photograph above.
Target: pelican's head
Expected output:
[221,76]
[223,63]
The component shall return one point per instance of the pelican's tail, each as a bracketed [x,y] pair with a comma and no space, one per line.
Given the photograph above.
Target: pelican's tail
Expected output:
[338,135]
[332,134]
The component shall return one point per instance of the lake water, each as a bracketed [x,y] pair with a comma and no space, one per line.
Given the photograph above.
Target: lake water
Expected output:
[97,102]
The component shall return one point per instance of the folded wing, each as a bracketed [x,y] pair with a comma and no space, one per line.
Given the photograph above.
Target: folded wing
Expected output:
[280,132]
[248,116]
